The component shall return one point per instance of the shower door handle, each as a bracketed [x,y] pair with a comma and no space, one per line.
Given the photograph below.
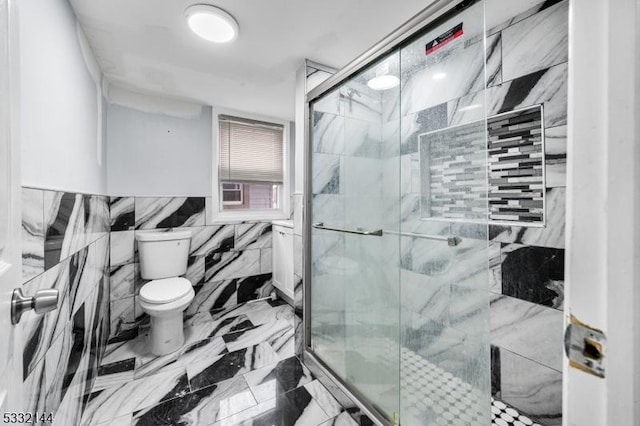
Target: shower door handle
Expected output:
[358,231]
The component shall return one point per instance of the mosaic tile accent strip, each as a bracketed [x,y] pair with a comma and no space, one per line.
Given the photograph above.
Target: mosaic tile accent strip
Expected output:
[473,173]
[453,172]
[516,162]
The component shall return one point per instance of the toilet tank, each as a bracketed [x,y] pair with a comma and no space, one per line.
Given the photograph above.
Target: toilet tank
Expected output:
[163,254]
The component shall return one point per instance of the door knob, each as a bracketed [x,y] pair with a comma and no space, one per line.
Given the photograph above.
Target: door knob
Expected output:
[43,301]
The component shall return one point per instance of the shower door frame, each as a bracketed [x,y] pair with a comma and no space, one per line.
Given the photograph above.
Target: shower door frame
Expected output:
[437,10]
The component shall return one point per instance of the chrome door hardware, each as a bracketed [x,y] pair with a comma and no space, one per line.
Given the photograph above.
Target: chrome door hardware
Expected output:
[585,347]
[451,241]
[359,231]
[44,301]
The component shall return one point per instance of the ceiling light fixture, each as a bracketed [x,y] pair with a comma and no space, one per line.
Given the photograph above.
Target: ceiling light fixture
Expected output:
[439,76]
[383,80]
[211,23]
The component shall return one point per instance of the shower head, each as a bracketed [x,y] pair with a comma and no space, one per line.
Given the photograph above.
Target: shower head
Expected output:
[351,92]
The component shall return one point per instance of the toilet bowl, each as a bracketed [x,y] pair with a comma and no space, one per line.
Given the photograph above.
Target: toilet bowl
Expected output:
[163,258]
[165,301]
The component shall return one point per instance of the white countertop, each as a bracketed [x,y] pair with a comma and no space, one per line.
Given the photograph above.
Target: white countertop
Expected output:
[285,223]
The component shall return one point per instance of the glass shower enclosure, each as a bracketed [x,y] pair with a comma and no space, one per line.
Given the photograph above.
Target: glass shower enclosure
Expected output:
[396,267]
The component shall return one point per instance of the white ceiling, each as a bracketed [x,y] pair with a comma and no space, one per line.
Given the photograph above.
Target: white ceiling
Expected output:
[145,45]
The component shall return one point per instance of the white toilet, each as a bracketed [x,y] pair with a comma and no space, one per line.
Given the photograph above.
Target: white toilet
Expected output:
[163,258]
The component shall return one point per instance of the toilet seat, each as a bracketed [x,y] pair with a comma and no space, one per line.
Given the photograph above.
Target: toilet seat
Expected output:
[165,290]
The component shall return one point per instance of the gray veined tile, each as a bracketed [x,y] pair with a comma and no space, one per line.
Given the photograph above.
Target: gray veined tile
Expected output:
[224,266]
[266,261]
[203,406]
[32,233]
[466,109]
[547,87]
[530,330]
[35,388]
[135,395]
[196,270]
[122,282]
[362,138]
[537,42]
[531,388]
[122,316]
[464,68]
[56,360]
[270,382]
[325,400]
[494,59]
[212,239]
[328,133]
[253,235]
[64,221]
[169,212]
[97,220]
[327,173]
[276,333]
[40,330]
[227,325]
[114,374]
[264,316]
[122,247]
[295,408]
[214,295]
[195,349]
[344,419]
[119,421]
[205,371]
[241,309]
[121,210]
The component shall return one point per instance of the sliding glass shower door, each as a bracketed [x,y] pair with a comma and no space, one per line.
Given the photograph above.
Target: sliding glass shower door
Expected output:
[355,297]
[398,277]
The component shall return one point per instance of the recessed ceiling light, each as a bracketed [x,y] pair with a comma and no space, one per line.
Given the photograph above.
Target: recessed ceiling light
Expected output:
[383,82]
[439,76]
[211,23]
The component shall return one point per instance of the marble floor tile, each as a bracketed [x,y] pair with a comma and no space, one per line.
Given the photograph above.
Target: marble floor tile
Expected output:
[270,315]
[272,332]
[344,419]
[118,421]
[269,382]
[202,407]
[295,408]
[209,370]
[114,374]
[135,395]
[231,325]
[325,400]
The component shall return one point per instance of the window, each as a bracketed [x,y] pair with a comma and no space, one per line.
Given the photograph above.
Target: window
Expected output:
[232,194]
[252,177]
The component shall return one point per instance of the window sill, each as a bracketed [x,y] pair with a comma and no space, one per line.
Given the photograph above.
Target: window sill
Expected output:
[248,216]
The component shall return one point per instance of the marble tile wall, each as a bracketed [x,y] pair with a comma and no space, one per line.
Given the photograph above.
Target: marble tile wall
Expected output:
[228,264]
[66,247]
[527,263]
[526,66]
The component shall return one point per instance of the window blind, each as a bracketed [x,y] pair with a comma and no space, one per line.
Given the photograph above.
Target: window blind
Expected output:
[250,151]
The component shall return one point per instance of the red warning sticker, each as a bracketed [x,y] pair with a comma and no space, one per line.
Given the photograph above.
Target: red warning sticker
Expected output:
[444,39]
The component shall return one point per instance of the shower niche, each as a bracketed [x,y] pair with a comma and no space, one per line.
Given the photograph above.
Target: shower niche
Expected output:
[499,161]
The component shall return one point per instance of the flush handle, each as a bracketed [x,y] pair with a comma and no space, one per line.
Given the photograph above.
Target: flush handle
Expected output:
[44,301]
